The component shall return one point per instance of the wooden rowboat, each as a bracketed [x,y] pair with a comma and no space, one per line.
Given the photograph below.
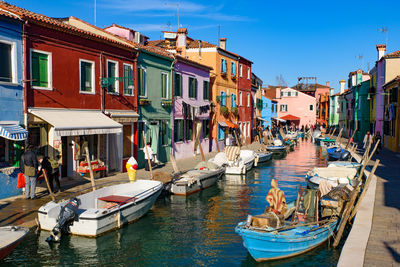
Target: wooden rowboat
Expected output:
[11,236]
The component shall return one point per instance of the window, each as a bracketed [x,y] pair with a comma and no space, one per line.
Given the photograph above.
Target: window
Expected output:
[240,99]
[233,100]
[112,72]
[189,130]
[223,99]
[248,129]
[128,79]
[206,90]
[221,132]
[241,70]
[248,74]
[223,66]
[288,93]
[142,82]
[248,100]
[284,108]
[86,76]
[164,85]
[206,128]
[311,107]
[7,65]
[164,132]
[141,129]
[178,84]
[192,87]
[178,130]
[41,69]
[296,93]
[127,140]
[233,69]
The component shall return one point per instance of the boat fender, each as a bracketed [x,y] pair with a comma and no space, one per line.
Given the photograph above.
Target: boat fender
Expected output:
[249,220]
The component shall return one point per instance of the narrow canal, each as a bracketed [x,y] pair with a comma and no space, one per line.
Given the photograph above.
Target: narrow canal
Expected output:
[191,231]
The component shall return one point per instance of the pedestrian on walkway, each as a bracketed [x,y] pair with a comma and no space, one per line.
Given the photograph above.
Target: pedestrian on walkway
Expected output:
[51,171]
[148,154]
[378,137]
[367,140]
[29,167]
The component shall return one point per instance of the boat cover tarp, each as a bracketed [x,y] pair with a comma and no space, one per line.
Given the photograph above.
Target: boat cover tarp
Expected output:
[332,172]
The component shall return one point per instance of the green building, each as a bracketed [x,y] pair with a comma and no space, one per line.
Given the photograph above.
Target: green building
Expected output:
[361,107]
[154,88]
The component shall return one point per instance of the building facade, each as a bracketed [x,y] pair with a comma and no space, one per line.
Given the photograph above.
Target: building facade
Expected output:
[244,102]
[12,132]
[191,108]
[391,124]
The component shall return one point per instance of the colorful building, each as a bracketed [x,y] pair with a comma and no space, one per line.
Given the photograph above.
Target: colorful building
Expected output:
[154,88]
[74,78]
[334,108]
[256,94]
[244,102]
[191,108]
[391,130]
[223,80]
[268,111]
[12,133]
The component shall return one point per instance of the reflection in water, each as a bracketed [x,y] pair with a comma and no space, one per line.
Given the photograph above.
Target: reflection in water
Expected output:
[193,230]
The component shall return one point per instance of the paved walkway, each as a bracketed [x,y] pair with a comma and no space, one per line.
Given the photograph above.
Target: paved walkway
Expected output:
[19,211]
[383,248]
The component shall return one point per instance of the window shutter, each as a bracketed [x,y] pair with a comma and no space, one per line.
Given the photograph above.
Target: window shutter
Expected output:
[43,79]
[195,90]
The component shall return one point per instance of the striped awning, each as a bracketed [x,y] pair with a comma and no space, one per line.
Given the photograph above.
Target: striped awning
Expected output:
[13,132]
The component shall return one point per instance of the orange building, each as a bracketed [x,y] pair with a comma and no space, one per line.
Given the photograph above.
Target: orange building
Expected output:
[223,79]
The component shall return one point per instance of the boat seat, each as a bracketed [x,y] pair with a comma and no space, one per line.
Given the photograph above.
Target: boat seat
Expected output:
[116,198]
[232,152]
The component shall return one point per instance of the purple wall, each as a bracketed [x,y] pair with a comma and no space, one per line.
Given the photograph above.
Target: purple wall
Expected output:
[184,149]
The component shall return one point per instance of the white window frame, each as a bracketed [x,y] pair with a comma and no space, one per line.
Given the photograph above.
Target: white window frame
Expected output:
[123,82]
[241,70]
[145,83]
[188,88]
[285,109]
[248,129]
[49,70]
[116,82]
[167,89]
[93,91]
[240,99]
[248,99]
[14,73]
[248,73]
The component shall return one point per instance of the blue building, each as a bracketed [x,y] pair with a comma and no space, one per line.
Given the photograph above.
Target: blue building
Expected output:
[12,135]
[268,111]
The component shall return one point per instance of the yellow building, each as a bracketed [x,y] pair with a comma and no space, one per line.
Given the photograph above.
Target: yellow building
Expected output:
[391,115]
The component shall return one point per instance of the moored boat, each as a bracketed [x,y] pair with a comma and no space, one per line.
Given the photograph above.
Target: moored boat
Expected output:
[262,157]
[104,209]
[347,164]
[234,160]
[276,149]
[332,175]
[11,236]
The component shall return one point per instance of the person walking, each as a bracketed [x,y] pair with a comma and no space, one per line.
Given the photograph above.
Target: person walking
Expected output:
[367,140]
[51,171]
[378,137]
[148,154]
[29,167]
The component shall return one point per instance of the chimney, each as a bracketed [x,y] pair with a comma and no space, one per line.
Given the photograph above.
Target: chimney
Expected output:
[182,34]
[381,50]
[222,43]
[327,84]
[342,84]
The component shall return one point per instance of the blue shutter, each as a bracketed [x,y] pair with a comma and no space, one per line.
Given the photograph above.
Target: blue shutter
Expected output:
[233,100]
[223,99]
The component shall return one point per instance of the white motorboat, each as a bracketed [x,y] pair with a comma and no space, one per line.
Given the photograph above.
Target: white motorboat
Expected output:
[236,161]
[346,164]
[333,175]
[195,180]
[104,209]
[11,236]
[262,157]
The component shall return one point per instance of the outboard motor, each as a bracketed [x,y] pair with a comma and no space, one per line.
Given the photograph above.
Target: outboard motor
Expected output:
[66,216]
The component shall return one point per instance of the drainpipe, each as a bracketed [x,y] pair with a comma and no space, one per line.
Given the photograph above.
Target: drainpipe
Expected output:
[25,78]
[102,104]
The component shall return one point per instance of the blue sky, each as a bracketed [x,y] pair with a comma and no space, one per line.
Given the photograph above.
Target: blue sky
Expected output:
[288,38]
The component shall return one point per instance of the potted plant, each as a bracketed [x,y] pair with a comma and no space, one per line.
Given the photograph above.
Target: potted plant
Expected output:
[166,103]
[144,101]
[235,111]
[224,111]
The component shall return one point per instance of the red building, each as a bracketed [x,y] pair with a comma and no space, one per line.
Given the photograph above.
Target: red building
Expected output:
[73,99]
[244,99]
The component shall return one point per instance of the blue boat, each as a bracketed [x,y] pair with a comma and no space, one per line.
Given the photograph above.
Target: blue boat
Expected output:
[276,149]
[337,153]
[327,140]
[278,244]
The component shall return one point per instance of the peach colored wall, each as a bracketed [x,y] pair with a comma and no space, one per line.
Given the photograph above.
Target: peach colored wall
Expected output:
[298,106]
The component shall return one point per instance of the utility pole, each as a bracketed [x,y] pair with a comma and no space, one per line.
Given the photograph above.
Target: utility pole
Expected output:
[177,11]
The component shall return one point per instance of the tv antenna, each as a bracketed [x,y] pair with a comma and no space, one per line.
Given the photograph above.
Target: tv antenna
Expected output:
[177,11]
[384,30]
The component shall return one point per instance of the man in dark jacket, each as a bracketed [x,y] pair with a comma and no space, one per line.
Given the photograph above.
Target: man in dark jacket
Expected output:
[50,172]
[29,166]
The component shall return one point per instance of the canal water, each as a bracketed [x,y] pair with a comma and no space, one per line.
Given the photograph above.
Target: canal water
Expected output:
[188,231]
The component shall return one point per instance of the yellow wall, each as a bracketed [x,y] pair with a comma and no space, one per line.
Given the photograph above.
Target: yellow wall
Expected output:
[392,142]
[392,68]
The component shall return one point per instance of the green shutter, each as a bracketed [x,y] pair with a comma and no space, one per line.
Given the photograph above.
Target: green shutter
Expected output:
[35,69]
[195,88]
[40,69]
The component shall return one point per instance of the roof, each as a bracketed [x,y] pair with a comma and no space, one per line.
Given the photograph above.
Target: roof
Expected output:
[290,118]
[355,72]
[393,54]
[309,87]
[8,14]
[395,79]
[270,92]
[55,23]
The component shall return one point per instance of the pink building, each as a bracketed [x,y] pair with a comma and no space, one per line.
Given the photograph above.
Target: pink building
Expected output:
[296,107]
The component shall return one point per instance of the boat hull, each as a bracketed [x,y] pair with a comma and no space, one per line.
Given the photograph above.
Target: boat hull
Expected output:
[276,149]
[263,157]
[104,220]
[19,235]
[264,246]
[205,181]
